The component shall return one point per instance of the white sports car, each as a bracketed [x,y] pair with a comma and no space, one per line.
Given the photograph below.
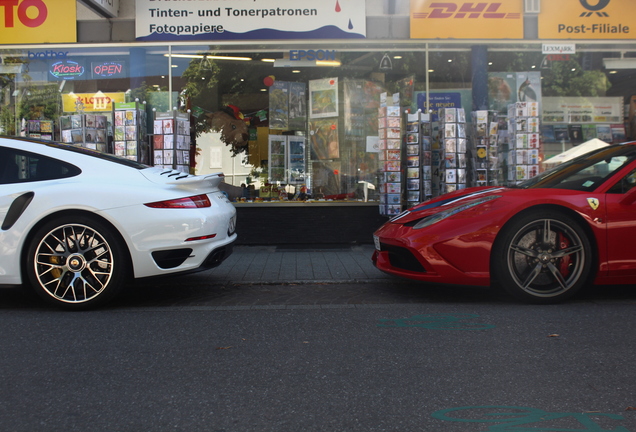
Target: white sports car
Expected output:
[77,224]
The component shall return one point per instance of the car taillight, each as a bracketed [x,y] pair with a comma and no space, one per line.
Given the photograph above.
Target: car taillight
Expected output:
[197,201]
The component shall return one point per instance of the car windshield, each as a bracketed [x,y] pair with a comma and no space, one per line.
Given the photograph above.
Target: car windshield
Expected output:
[586,172]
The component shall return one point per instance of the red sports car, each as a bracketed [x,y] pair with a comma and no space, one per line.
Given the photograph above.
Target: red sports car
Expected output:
[541,240]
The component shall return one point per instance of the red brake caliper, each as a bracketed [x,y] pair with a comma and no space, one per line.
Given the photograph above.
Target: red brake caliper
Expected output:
[564,264]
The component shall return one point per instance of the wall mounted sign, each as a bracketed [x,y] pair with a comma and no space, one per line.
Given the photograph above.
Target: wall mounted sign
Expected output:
[105,8]
[92,102]
[587,19]
[253,19]
[38,21]
[114,69]
[66,70]
[463,19]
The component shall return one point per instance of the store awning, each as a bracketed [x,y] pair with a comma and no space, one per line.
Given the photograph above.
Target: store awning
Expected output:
[577,151]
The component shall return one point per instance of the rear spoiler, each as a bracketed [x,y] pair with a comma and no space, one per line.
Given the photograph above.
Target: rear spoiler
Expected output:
[182,179]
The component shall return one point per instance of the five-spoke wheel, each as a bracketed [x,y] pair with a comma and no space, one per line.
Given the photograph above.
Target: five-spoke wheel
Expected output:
[542,258]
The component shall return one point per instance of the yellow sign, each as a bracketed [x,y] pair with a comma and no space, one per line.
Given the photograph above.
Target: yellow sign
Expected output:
[38,21]
[587,19]
[91,102]
[465,19]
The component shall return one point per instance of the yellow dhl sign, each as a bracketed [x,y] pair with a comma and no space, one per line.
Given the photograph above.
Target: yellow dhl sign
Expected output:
[431,19]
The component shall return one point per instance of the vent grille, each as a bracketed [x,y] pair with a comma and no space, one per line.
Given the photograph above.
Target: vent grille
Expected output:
[532,6]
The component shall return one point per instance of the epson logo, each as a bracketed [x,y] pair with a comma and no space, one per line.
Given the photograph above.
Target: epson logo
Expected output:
[49,54]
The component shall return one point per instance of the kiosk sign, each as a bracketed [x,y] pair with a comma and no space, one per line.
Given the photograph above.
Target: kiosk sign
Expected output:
[66,70]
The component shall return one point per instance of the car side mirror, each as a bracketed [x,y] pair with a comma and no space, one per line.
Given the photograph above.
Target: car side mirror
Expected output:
[629,197]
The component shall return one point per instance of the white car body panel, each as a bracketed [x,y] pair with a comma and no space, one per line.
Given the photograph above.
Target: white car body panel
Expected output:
[117,194]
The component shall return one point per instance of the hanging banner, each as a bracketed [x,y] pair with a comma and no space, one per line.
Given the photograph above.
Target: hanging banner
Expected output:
[461,19]
[249,19]
[587,19]
[38,21]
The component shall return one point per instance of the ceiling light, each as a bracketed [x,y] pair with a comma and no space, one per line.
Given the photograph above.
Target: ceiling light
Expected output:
[450,60]
[268,60]
[619,63]
[397,57]
[334,63]
[295,71]
[214,57]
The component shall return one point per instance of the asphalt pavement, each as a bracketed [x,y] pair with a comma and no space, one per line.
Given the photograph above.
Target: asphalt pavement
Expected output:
[299,264]
[317,340]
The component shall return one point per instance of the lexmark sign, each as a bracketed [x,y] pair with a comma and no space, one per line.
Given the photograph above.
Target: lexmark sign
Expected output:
[558,49]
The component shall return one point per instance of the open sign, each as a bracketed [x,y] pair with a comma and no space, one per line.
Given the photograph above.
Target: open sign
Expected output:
[114,69]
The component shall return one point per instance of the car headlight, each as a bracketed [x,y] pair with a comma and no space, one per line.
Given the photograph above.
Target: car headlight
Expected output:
[437,217]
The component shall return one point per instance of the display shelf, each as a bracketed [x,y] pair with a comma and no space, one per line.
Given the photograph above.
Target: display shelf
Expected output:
[524,146]
[390,155]
[129,131]
[485,147]
[418,159]
[454,146]
[40,129]
[171,140]
[87,130]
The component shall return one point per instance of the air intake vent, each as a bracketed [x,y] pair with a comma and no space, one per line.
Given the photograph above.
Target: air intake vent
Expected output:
[532,6]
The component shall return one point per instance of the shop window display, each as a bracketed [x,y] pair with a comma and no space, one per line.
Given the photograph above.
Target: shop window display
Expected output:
[327,115]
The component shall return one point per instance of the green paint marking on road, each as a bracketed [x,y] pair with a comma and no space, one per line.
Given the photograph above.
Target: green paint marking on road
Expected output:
[524,419]
[437,322]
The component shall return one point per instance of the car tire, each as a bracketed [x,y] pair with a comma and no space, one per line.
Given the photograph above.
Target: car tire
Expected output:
[542,258]
[76,262]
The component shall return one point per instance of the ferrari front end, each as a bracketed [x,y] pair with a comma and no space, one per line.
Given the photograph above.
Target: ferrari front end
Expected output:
[446,240]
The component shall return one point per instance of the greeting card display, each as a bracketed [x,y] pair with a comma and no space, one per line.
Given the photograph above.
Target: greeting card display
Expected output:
[171,140]
[525,144]
[87,130]
[418,159]
[390,156]
[485,160]
[39,129]
[453,125]
[129,131]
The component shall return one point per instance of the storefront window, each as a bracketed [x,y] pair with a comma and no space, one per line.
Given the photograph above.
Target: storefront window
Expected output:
[287,121]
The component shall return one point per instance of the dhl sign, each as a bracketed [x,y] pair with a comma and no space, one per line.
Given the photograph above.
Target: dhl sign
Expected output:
[37,21]
[431,19]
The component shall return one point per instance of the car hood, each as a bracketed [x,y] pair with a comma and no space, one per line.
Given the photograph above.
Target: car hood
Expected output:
[177,178]
[447,201]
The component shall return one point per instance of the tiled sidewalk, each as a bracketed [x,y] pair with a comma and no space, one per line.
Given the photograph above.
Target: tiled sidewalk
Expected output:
[259,264]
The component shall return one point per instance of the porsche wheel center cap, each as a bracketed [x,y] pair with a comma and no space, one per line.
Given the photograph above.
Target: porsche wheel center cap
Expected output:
[76,263]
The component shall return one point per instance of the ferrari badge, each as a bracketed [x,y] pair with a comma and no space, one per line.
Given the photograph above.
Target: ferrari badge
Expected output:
[593,202]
